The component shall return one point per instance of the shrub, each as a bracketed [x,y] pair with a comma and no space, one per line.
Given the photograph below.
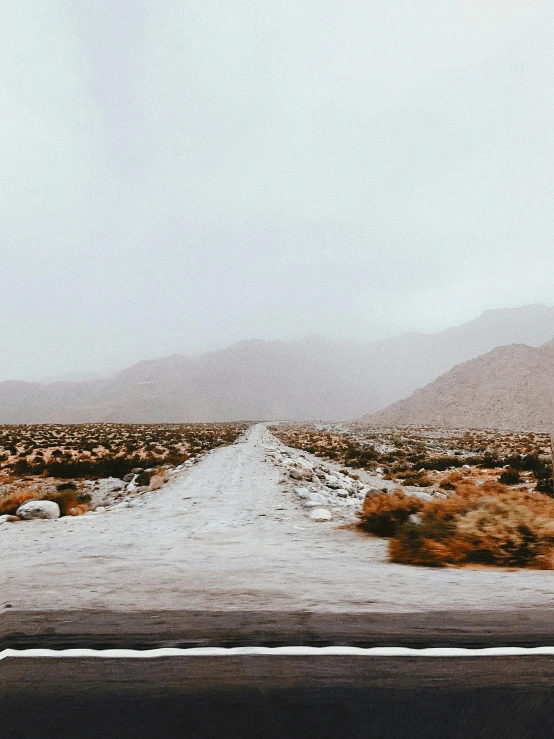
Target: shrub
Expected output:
[10,503]
[501,533]
[77,510]
[442,463]
[66,499]
[510,477]
[383,514]
[489,524]
[545,485]
[66,486]
[425,544]
[418,479]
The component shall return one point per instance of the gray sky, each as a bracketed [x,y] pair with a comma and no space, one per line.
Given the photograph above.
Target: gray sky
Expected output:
[178,176]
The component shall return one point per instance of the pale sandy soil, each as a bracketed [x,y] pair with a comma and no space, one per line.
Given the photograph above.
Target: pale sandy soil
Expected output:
[226,535]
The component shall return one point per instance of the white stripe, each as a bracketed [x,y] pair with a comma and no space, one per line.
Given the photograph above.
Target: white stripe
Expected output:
[284,651]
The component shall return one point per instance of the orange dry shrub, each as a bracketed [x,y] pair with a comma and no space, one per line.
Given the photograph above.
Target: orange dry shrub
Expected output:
[78,510]
[158,477]
[488,524]
[453,477]
[69,500]
[10,503]
[383,514]
[66,499]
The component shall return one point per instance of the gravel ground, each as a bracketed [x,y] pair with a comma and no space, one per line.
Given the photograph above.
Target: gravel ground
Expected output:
[231,533]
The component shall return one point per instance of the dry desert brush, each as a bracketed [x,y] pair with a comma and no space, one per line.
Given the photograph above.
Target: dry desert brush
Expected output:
[488,524]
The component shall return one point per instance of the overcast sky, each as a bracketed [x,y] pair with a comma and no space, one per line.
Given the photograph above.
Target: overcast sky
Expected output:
[177,176]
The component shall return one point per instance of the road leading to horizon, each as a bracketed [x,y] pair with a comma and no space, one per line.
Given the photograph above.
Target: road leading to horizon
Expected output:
[226,539]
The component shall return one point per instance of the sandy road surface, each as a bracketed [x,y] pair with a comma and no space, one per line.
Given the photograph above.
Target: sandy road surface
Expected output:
[226,536]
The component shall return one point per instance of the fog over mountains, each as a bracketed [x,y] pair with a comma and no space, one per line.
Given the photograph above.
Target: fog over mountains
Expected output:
[510,387]
[312,378]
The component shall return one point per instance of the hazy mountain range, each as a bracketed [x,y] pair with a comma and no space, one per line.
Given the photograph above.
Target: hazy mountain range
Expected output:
[510,387]
[314,378]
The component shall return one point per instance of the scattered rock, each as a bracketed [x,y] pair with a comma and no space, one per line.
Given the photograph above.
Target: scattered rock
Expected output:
[421,496]
[158,476]
[156,481]
[318,498]
[34,509]
[129,478]
[415,518]
[296,474]
[320,514]
[121,506]
[329,487]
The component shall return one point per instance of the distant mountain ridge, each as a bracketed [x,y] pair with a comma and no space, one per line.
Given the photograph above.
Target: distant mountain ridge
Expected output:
[510,387]
[306,379]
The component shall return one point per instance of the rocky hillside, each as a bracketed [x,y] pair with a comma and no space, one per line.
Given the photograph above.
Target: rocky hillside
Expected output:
[314,378]
[511,387]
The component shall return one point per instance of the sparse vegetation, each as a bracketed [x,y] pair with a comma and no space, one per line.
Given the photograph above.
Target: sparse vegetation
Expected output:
[383,514]
[428,457]
[490,526]
[492,498]
[52,462]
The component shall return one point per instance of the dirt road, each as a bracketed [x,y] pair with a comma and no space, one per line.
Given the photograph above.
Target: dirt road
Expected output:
[227,537]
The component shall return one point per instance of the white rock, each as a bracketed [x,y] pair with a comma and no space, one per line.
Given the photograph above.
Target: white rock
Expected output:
[303,493]
[38,509]
[320,514]
[120,506]
[318,498]
[100,509]
[421,496]
[415,518]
